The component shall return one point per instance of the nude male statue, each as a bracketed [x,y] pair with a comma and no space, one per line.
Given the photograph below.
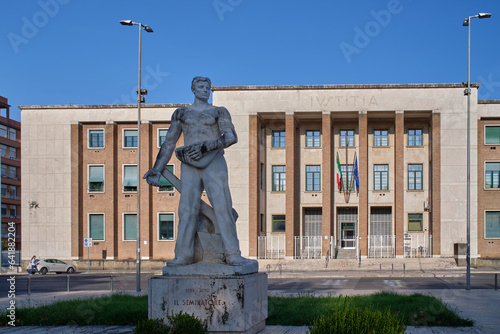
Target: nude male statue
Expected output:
[207,131]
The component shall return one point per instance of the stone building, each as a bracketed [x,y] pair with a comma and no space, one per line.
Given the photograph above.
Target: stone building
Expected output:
[398,151]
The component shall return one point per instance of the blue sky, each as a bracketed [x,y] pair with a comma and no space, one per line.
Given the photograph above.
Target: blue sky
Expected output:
[76,52]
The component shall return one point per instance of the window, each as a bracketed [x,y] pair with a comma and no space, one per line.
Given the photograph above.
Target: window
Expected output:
[96,138]
[4,190]
[492,175]
[279,178]
[129,178]
[492,134]
[346,136]
[279,223]
[130,226]
[96,178]
[380,138]
[96,227]
[3,150]
[12,152]
[313,178]
[130,138]
[12,134]
[492,226]
[414,137]
[313,138]
[262,223]
[262,136]
[4,210]
[165,185]
[3,131]
[166,226]
[415,177]
[415,222]
[279,139]
[162,134]
[12,172]
[262,176]
[4,170]
[347,177]
[381,177]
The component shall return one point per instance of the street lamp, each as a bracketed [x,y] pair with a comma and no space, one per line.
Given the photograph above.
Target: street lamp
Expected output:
[140,99]
[468,92]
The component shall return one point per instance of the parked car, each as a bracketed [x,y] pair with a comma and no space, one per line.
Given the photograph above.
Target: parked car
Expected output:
[52,265]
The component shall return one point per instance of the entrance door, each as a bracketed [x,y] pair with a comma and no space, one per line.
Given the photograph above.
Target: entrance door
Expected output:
[347,224]
[347,235]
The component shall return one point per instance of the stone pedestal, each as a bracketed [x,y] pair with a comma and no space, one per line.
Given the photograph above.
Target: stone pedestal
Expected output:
[230,302]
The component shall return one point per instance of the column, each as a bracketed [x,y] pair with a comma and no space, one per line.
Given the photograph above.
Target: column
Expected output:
[292,183]
[146,223]
[254,185]
[77,219]
[110,177]
[363,168]
[399,182]
[435,216]
[327,180]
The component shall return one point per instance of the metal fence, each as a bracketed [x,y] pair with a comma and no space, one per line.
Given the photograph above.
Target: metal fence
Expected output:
[271,247]
[6,260]
[417,245]
[308,247]
[381,246]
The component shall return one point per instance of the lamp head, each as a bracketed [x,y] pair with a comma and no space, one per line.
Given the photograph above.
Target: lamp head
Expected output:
[126,22]
[466,22]
[147,28]
[484,15]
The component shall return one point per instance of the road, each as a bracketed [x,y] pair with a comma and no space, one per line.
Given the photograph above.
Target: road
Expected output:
[127,281]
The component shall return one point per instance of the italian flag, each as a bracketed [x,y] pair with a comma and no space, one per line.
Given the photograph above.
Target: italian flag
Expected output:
[339,173]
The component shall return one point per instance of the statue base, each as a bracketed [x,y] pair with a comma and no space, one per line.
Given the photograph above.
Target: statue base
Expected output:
[229,303]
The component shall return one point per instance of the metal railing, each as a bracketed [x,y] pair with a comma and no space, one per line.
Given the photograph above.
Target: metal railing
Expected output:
[271,247]
[6,260]
[417,246]
[308,247]
[381,246]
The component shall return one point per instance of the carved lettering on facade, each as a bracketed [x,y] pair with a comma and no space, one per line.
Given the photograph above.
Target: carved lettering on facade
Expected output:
[343,101]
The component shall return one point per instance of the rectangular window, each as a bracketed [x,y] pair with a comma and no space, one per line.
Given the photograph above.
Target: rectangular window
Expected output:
[96,227]
[279,139]
[279,178]
[313,138]
[3,150]
[96,138]
[346,138]
[4,210]
[380,138]
[313,178]
[130,137]
[129,178]
[166,226]
[3,131]
[262,223]
[165,185]
[415,222]
[12,172]
[96,178]
[492,175]
[492,224]
[415,177]
[162,134]
[4,190]
[262,176]
[4,170]
[347,177]
[12,134]
[12,152]
[381,177]
[414,137]
[130,226]
[279,223]
[492,134]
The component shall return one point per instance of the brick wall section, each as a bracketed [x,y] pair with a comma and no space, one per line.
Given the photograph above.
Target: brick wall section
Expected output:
[76,191]
[436,183]
[145,213]
[327,179]
[399,184]
[292,183]
[113,186]
[363,182]
[253,184]
[488,199]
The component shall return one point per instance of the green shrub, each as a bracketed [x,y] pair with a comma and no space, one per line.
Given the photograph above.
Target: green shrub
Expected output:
[351,319]
[180,323]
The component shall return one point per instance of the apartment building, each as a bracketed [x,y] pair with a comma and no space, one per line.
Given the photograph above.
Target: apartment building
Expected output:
[345,171]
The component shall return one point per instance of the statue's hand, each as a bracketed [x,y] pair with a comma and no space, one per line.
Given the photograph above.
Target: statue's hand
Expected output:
[194,151]
[152,177]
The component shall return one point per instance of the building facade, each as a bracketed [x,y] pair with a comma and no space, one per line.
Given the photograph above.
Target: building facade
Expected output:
[10,147]
[345,171]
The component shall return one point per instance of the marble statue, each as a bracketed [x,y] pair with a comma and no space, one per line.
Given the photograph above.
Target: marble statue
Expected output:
[207,131]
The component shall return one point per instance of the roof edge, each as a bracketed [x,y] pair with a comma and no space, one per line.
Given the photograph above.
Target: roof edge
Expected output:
[103,106]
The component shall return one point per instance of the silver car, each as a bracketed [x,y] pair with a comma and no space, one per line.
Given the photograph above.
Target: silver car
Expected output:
[52,265]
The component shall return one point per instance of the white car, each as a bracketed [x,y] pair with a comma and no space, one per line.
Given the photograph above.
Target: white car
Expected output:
[52,265]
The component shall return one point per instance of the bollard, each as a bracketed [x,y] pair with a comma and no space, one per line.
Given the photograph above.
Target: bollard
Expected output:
[111,283]
[404,269]
[67,283]
[280,268]
[496,282]
[381,267]
[268,269]
[29,285]
[393,268]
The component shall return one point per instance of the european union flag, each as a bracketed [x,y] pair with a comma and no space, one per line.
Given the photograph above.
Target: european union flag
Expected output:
[355,172]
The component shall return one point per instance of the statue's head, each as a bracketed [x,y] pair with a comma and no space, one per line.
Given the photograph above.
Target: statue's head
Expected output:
[198,79]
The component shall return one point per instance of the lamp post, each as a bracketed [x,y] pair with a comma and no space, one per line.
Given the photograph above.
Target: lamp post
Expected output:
[466,23]
[140,99]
